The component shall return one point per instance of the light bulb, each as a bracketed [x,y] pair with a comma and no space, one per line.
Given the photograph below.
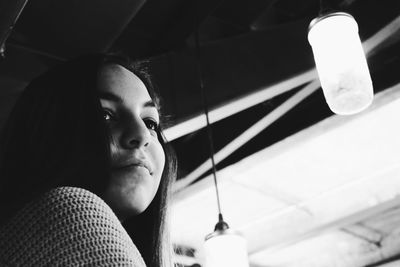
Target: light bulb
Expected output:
[225,248]
[341,64]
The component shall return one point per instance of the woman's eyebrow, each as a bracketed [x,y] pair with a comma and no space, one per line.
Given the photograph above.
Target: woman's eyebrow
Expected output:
[149,103]
[111,97]
[115,98]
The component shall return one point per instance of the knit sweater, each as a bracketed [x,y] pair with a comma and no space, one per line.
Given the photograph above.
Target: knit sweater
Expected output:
[67,227]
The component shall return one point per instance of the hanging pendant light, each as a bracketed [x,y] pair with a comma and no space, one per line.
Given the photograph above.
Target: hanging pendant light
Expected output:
[341,63]
[224,247]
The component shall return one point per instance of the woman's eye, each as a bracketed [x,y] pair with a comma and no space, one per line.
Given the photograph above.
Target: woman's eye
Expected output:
[108,115]
[151,124]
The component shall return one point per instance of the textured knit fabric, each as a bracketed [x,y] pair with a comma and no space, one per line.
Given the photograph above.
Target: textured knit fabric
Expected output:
[67,227]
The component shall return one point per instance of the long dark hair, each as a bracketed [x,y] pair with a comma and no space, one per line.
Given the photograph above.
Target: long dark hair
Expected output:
[56,136]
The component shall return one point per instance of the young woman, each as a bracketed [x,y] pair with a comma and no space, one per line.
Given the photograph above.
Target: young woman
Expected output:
[93,123]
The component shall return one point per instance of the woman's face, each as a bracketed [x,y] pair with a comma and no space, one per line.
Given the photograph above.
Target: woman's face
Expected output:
[137,156]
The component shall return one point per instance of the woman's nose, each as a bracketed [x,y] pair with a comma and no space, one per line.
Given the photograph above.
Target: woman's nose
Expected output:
[135,135]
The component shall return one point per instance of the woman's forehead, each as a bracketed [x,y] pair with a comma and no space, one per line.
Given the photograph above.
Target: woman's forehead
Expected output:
[122,82]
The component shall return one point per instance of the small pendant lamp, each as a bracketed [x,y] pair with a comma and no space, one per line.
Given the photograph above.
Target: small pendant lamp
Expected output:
[341,64]
[224,247]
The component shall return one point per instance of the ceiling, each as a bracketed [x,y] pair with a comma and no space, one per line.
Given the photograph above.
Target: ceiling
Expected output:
[303,186]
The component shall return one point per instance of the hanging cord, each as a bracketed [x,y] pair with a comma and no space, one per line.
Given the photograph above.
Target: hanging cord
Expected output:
[322,8]
[327,6]
[221,225]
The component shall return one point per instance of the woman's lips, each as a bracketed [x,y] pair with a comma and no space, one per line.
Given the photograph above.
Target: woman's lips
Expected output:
[134,165]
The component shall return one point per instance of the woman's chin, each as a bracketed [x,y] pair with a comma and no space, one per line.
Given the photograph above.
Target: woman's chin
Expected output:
[129,211]
[128,203]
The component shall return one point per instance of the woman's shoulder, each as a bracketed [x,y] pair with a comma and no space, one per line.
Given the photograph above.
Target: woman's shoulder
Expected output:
[67,226]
